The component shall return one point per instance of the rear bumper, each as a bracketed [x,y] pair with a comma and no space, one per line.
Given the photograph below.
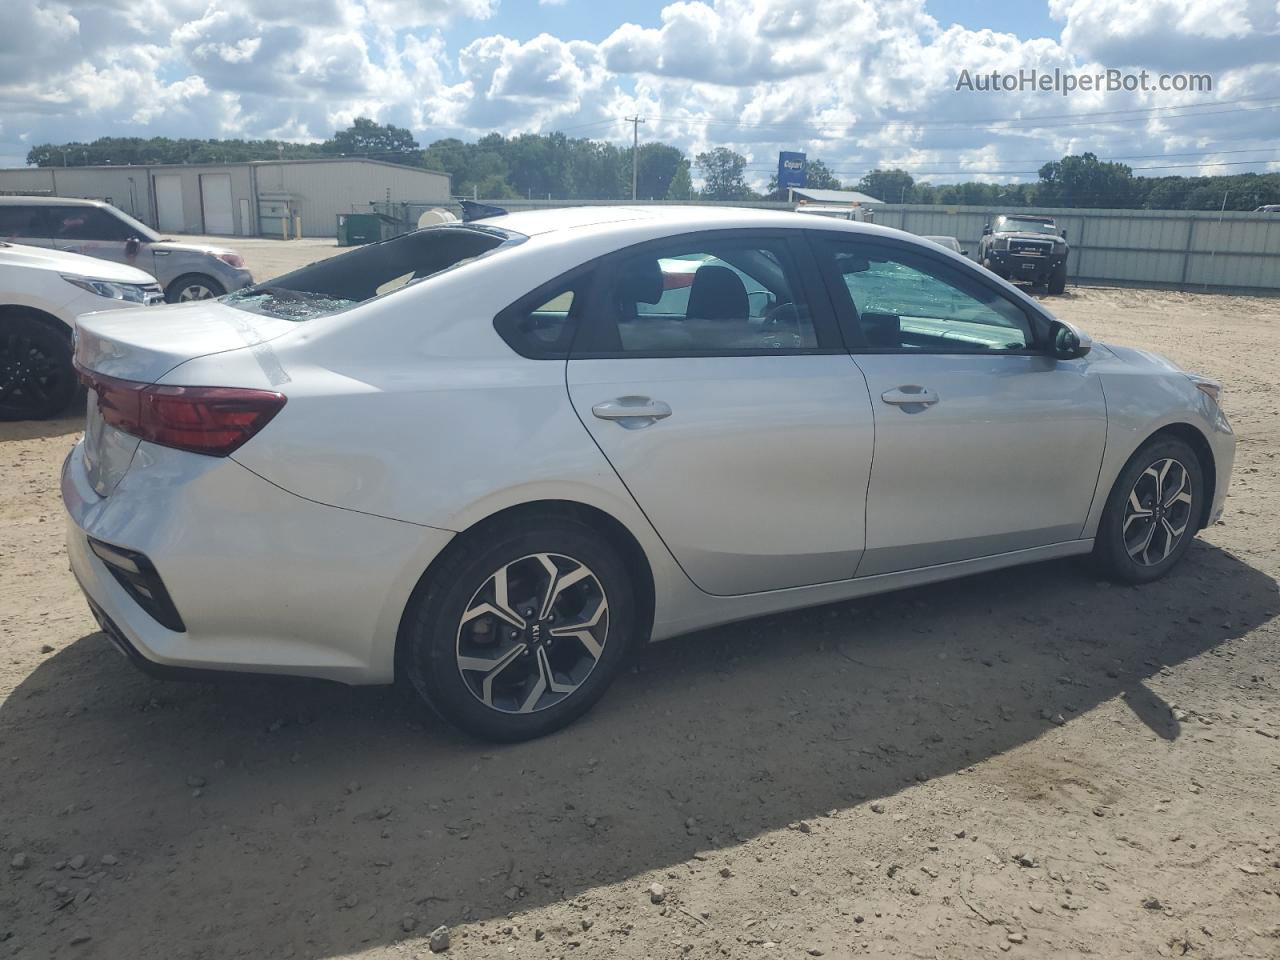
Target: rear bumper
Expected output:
[264,581]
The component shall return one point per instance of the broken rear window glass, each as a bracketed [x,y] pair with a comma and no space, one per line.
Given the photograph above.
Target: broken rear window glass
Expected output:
[379,269]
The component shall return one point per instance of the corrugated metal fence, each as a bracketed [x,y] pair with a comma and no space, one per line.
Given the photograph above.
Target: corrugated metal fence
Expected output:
[1186,250]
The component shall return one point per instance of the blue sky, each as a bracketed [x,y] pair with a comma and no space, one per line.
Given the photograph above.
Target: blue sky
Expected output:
[857,83]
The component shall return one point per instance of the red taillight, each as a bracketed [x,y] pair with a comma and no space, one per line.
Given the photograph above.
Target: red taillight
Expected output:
[676,281]
[210,420]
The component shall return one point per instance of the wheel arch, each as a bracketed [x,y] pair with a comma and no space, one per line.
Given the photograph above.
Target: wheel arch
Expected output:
[18,310]
[1197,441]
[605,524]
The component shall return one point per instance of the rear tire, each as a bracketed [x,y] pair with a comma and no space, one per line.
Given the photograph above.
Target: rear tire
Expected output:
[488,642]
[193,286]
[1058,279]
[1152,513]
[37,381]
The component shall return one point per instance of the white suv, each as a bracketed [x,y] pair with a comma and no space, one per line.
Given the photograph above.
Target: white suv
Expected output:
[41,294]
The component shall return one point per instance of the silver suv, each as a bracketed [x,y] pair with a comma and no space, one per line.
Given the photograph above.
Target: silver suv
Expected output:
[186,271]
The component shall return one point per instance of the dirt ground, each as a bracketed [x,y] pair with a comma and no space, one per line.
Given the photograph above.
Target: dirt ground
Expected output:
[1032,761]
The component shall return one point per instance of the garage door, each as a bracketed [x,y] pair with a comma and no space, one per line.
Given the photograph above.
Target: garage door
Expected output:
[169,214]
[215,195]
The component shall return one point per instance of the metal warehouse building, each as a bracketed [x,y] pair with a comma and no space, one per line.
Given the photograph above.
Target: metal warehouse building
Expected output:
[237,199]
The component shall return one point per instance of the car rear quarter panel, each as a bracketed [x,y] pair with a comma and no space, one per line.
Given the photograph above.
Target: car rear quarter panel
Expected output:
[412,408]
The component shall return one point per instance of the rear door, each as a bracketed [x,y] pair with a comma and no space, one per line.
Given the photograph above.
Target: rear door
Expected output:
[709,371]
[28,225]
[985,444]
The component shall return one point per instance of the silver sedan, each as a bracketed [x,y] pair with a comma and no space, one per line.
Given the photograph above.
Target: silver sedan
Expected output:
[491,458]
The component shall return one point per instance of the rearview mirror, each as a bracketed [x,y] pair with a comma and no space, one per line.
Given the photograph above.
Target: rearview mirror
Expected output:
[131,247]
[1066,343]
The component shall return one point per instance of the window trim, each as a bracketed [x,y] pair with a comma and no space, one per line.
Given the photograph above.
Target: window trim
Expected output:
[808,284]
[847,311]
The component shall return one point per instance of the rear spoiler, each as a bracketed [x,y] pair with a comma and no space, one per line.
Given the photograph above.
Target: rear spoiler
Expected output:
[472,210]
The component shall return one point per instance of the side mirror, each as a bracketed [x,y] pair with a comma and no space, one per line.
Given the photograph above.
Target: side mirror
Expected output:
[964,253]
[132,246]
[1067,343]
[1064,234]
[986,229]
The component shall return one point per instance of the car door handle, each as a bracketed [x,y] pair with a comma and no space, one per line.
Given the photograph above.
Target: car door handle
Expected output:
[629,411]
[909,393]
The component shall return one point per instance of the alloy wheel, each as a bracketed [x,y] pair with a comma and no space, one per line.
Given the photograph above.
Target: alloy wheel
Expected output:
[1158,512]
[195,291]
[532,633]
[29,377]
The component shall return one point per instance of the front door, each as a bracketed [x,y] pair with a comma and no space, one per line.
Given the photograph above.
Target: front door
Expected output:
[95,232]
[719,393]
[984,444]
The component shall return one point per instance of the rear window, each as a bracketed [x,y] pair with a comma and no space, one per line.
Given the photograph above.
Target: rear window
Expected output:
[379,269]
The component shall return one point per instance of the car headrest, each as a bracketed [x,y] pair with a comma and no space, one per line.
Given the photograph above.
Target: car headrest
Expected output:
[717,294]
[640,281]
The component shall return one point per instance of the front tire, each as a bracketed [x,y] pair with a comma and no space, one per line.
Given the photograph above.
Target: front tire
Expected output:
[1152,513]
[37,381]
[1058,279]
[520,630]
[193,286]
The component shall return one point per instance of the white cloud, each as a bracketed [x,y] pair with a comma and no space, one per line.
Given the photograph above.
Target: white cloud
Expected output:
[859,83]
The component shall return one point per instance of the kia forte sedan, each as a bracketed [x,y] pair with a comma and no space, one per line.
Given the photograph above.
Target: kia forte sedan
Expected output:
[490,458]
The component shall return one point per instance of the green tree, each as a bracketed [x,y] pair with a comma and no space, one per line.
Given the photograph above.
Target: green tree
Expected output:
[367,138]
[658,165]
[1086,181]
[891,186]
[681,183]
[721,170]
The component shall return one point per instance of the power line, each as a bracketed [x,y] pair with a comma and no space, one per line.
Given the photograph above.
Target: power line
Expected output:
[996,122]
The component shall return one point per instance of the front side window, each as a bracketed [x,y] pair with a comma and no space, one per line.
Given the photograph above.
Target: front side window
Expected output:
[700,297]
[87,223]
[905,301]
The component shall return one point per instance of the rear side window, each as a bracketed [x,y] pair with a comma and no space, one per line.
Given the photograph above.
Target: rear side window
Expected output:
[379,269]
[703,296]
[18,223]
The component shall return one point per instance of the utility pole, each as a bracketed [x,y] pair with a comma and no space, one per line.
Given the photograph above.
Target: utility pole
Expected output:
[635,152]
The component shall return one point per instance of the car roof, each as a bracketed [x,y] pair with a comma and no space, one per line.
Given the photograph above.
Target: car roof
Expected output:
[51,201]
[672,218]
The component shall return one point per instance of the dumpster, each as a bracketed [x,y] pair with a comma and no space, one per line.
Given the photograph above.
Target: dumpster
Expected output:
[355,229]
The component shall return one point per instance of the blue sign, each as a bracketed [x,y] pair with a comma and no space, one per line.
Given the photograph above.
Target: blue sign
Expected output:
[791,170]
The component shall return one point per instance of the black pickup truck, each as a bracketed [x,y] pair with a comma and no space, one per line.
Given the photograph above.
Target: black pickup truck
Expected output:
[1025,248]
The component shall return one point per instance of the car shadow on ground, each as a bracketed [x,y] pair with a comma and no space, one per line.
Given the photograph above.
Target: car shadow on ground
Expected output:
[306,819]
